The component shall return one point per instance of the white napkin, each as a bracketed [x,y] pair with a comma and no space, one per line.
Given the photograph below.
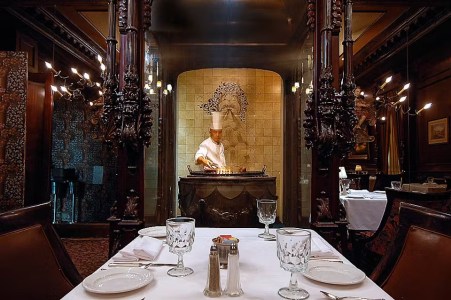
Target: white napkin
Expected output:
[147,248]
[321,250]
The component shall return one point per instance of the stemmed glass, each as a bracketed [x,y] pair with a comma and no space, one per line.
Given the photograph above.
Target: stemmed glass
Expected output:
[293,251]
[180,238]
[266,212]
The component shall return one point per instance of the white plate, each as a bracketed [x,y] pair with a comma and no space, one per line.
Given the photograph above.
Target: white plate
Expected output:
[334,273]
[155,231]
[117,280]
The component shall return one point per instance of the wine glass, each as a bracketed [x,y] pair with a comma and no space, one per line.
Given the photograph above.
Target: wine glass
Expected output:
[293,251]
[180,238]
[266,212]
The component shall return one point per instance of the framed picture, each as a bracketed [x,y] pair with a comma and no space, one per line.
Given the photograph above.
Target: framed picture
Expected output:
[438,131]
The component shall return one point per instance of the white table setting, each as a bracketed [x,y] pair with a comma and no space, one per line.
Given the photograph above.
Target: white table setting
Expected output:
[260,273]
[364,209]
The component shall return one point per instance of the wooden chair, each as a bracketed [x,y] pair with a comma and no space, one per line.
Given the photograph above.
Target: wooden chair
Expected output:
[418,265]
[368,249]
[35,262]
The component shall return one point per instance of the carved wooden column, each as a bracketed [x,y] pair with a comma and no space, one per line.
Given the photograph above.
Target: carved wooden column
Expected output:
[329,114]
[127,117]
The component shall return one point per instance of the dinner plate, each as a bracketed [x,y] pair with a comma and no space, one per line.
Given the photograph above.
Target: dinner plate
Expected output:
[155,231]
[117,280]
[334,273]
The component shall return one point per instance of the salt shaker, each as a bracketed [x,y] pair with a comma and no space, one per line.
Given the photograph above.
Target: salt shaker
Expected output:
[233,285]
[213,287]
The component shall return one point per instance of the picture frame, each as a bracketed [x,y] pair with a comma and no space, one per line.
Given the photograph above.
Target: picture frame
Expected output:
[438,131]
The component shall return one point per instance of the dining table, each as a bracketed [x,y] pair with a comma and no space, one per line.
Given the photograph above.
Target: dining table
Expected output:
[260,273]
[364,209]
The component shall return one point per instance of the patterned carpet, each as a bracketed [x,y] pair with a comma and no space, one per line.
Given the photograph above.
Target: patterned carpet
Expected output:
[88,254]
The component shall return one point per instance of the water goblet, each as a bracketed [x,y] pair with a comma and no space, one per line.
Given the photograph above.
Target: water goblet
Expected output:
[293,251]
[266,212]
[180,238]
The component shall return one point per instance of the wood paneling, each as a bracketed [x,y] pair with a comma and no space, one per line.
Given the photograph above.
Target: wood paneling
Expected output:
[38,139]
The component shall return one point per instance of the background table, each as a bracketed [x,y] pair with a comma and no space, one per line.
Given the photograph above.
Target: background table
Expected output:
[364,213]
[261,275]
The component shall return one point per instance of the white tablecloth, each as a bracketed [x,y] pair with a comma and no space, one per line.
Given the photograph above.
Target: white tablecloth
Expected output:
[261,275]
[364,210]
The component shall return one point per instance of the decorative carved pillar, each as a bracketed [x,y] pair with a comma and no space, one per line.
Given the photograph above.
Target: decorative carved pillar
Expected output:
[127,116]
[329,121]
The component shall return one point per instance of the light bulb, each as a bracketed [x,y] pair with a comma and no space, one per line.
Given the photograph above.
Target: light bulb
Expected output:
[169,87]
[426,106]
[405,87]
[387,80]
[99,58]
[402,99]
[159,83]
[296,85]
[293,89]
[48,65]
[86,76]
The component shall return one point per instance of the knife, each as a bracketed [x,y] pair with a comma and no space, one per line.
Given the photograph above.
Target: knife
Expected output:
[139,264]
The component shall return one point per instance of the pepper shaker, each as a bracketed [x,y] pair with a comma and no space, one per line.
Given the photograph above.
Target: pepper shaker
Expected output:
[213,287]
[233,285]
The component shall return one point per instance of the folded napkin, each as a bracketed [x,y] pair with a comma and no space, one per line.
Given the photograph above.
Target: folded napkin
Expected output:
[147,248]
[321,250]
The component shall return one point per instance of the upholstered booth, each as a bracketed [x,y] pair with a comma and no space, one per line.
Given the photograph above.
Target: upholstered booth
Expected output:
[368,248]
[418,265]
[35,263]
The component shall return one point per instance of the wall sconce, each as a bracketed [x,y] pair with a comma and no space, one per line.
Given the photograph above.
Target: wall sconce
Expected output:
[73,90]
[426,106]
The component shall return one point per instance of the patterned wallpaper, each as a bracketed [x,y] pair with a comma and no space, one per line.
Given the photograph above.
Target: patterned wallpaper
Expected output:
[77,144]
[251,101]
[13,94]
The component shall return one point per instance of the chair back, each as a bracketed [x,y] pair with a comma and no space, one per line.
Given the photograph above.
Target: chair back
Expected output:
[37,264]
[418,265]
[390,221]
[369,249]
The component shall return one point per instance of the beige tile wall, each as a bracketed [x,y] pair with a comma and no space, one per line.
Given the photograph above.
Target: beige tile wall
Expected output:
[260,142]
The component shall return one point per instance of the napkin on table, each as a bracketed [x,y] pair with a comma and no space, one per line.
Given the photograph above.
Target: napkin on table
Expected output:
[147,248]
[322,251]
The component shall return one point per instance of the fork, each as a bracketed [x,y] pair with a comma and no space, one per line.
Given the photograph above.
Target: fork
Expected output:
[332,296]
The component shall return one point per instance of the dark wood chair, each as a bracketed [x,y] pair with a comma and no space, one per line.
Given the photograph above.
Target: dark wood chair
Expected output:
[35,262]
[368,249]
[417,265]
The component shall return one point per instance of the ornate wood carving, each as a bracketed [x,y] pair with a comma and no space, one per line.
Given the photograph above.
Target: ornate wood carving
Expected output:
[147,12]
[122,16]
[224,202]
[311,14]
[328,124]
[336,16]
[49,25]
[418,23]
